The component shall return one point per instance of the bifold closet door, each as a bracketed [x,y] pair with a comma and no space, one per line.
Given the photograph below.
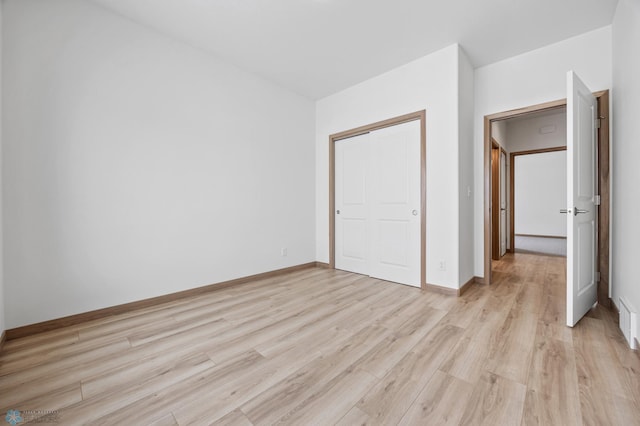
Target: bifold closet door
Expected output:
[378,213]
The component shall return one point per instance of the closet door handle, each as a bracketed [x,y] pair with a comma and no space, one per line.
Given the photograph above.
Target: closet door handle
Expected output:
[414,212]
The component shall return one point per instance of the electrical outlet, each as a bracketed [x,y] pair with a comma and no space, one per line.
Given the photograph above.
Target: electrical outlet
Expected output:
[283,252]
[442,265]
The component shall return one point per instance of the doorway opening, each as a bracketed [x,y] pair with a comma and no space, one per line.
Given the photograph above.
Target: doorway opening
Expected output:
[538,182]
[498,200]
[490,234]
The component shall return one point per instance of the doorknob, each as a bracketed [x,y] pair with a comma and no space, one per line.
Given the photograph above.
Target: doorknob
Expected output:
[337,211]
[414,212]
[576,211]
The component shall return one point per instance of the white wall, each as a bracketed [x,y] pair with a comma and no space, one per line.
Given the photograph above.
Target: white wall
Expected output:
[465,191]
[626,153]
[532,78]
[525,134]
[429,83]
[136,166]
[540,192]
[499,132]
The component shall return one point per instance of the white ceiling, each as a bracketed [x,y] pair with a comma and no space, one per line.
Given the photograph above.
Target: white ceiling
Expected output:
[319,47]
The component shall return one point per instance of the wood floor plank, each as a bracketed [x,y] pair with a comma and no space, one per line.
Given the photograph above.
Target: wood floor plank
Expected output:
[495,401]
[131,374]
[626,411]
[530,297]
[167,420]
[553,392]
[597,406]
[105,403]
[228,348]
[389,352]
[542,409]
[553,374]
[441,402]
[46,378]
[149,410]
[60,353]
[466,309]
[511,354]
[355,416]
[388,401]
[596,361]
[555,331]
[310,380]
[330,406]
[55,400]
[234,418]
[260,376]
[467,360]
[169,399]
[41,341]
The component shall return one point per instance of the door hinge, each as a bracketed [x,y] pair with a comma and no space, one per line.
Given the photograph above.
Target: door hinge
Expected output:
[597,200]
[598,276]
[598,123]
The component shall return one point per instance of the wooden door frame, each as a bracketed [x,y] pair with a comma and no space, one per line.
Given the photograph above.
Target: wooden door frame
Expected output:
[603,184]
[495,249]
[418,115]
[512,188]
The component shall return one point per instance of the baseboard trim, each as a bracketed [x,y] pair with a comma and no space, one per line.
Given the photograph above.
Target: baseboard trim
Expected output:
[452,291]
[637,350]
[466,286]
[3,338]
[440,289]
[541,236]
[614,307]
[322,265]
[31,329]
[479,280]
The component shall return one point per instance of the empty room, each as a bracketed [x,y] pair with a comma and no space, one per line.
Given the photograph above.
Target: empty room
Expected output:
[319,212]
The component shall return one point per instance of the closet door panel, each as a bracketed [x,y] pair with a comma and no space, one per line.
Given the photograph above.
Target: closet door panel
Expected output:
[352,204]
[395,203]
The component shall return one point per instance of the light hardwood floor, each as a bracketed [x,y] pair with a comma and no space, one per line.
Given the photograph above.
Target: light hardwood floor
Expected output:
[328,347]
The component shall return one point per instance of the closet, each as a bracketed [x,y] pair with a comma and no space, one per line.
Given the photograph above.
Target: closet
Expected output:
[377,203]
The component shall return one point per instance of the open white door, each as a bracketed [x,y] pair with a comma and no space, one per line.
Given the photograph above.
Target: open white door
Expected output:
[581,199]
